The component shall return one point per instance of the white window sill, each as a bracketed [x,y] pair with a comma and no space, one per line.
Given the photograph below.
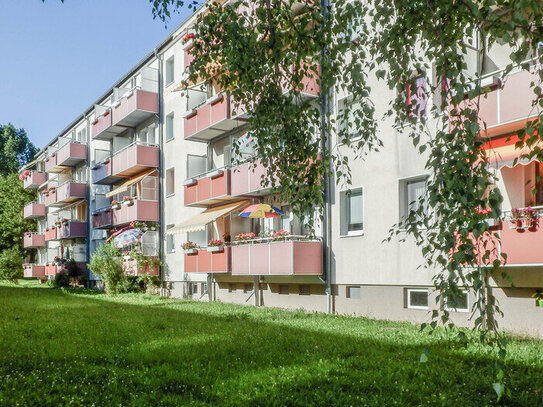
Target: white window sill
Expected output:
[170,139]
[463,311]
[353,234]
[170,195]
[418,308]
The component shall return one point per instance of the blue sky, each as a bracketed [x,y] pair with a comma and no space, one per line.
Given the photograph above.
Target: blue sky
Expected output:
[57,59]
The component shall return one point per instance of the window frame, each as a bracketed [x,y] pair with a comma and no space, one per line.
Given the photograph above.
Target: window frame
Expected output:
[170,124]
[463,310]
[348,292]
[403,183]
[344,215]
[170,181]
[170,62]
[168,237]
[408,304]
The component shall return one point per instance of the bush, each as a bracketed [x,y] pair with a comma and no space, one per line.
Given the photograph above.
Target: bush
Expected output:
[62,280]
[11,264]
[106,262]
[74,272]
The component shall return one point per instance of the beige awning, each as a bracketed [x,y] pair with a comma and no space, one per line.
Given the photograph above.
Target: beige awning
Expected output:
[200,221]
[124,186]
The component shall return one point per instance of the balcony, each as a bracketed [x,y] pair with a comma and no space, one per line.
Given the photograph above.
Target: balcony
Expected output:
[130,110]
[133,160]
[131,269]
[210,120]
[69,155]
[72,229]
[208,189]
[33,240]
[34,210]
[139,210]
[51,233]
[58,268]
[101,174]
[203,261]
[66,193]
[278,258]
[34,180]
[33,271]
[51,269]
[246,179]
[102,218]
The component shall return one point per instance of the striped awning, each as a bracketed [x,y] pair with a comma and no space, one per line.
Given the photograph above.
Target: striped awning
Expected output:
[200,221]
[505,156]
[124,186]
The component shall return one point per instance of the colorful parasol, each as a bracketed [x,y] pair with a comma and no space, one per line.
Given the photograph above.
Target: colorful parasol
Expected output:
[261,211]
[127,237]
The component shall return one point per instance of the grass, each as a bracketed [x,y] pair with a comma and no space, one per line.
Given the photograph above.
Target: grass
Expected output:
[82,347]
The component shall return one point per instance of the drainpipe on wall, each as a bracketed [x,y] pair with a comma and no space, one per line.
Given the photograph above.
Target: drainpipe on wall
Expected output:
[89,185]
[327,212]
[160,173]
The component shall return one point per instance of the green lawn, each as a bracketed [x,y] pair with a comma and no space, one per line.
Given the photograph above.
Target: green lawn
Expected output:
[83,347]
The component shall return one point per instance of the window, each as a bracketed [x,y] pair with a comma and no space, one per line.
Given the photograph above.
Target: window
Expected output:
[353,291]
[351,207]
[283,289]
[417,298]
[193,288]
[417,98]
[348,121]
[170,182]
[170,71]
[170,241]
[247,288]
[413,194]
[169,127]
[458,302]
[304,290]
[81,136]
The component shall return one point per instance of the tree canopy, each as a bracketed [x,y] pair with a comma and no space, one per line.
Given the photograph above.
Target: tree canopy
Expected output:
[15,149]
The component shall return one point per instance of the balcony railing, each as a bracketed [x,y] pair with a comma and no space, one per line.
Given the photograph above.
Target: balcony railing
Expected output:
[208,189]
[129,111]
[68,155]
[101,173]
[131,268]
[204,261]
[72,229]
[102,218]
[138,210]
[32,240]
[134,159]
[210,120]
[33,270]
[66,193]
[247,179]
[34,210]
[295,256]
[34,180]
[51,269]
[51,233]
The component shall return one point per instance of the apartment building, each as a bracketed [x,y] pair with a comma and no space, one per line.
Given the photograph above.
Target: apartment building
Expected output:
[147,152]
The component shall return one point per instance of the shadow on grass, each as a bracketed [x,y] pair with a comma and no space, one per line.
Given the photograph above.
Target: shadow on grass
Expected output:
[56,346]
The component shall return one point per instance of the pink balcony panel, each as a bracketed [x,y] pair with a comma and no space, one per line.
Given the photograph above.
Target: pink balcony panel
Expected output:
[34,180]
[51,163]
[66,193]
[143,211]
[208,262]
[33,240]
[133,160]
[209,190]
[71,230]
[51,198]
[71,154]
[51,233]
[247,179]
[136,107]
[33,271]
[131,268]
[523,246]
[188,57]
[102,219]
[34,210]
[278,258]
[210,120]
[101,127]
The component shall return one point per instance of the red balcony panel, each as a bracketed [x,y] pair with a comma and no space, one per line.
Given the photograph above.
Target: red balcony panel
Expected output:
[208,262]
[59,268]
[210,120]
[188,58]
[143,211]
[134,108]
[247,178]
[101,126]
[209,190]
[34,180]
[71,192]
[51,269]
[72,229]
[102,219]
[51,163]
[133,160]
[51,233]
[522,246]
[33,271]
[34,210]
[131,268]
[33,240]
[51,198]
[71,154]
[278,258]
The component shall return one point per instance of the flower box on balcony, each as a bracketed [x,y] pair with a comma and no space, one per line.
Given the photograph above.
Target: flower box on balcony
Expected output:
[214,249]
[190,251]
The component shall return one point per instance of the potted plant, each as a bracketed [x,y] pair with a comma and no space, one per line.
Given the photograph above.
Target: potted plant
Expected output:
[280,235]
[115,204]
[127,200]
[188,37]
[58,223]
[56,260]
[190,248]
[244,238]
[516,218]
[530,217]
[65,221]
[538,296]
[215,245]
